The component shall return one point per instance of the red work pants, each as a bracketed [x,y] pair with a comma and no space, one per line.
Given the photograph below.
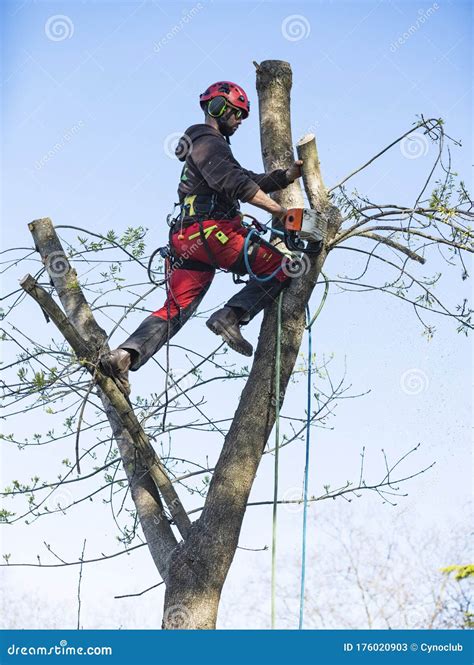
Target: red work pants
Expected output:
[200,249]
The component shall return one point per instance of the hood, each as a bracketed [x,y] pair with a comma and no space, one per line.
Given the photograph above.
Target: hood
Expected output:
[192,134]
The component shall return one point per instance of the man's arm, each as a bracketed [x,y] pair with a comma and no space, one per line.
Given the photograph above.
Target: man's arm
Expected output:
[269,182]
[276,179]
[220,170]
[224,174]
[263,201]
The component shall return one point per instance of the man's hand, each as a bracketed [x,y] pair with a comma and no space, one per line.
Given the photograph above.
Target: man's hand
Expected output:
[294,171]
[282,214]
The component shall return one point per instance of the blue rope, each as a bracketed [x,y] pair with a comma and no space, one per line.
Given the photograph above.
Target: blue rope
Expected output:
[247,261]
[277,447]
[308,439]
[306,478]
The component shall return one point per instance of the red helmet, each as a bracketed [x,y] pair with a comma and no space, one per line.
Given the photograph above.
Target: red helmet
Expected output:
[234,94]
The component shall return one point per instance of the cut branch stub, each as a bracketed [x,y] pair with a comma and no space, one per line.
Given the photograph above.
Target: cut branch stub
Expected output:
[312,178]
[314,186]
[64,280]
[47,304]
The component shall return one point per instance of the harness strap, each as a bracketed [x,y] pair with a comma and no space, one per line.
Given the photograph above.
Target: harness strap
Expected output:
[195,207]
[190,264]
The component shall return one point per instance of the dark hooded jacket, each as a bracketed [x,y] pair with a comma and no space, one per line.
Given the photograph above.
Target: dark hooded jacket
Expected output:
[210,168]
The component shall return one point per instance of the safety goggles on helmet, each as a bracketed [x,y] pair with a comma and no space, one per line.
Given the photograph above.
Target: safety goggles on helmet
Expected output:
[237,112]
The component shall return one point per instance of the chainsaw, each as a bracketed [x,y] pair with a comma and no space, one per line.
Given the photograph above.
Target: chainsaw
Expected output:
[304,230]
[304,225]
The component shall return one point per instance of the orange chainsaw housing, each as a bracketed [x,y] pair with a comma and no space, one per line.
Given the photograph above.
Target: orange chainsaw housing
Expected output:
[294,219]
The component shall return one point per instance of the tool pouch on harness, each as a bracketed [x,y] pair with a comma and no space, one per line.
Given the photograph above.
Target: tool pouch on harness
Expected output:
[198,207]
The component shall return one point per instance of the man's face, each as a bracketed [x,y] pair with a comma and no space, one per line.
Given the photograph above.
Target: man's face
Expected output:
[231,121]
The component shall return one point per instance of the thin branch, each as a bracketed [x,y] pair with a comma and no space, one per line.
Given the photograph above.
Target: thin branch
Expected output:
[104,557]
[134,595]
[395,245]
[79,588]
[422,123]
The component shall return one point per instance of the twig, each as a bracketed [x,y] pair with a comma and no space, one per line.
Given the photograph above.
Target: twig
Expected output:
[79,423]
[104,557]
[422,123]
[134,595]
[79,588]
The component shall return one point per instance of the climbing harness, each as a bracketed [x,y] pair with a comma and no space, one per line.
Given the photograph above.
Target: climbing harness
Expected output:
[301,225]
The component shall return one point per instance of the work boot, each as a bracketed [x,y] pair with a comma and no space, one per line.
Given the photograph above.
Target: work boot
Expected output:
[224,322]
[116,364]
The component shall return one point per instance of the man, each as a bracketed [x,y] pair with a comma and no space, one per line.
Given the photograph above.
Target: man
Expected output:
[209,235]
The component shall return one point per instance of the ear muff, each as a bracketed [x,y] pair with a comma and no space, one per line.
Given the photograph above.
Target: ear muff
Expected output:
[217,107]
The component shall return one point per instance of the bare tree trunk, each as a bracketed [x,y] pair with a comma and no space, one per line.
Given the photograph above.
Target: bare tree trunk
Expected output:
[196,568]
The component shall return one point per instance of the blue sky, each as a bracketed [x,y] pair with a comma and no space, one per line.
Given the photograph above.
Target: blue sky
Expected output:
[94,95]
